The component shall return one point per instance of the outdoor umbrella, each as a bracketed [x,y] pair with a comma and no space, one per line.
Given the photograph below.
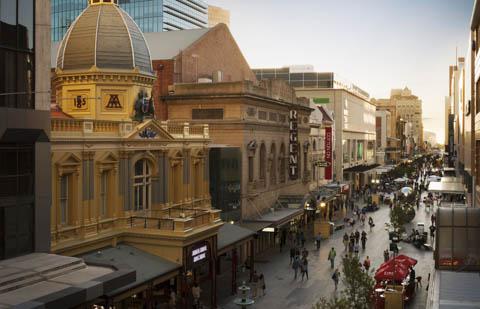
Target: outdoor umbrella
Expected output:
[406,190]
[392,271]
[400,259]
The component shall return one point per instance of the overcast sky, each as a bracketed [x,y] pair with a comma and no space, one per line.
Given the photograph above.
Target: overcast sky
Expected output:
[375,44]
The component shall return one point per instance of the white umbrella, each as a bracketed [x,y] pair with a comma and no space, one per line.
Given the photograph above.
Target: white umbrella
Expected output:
[406,190]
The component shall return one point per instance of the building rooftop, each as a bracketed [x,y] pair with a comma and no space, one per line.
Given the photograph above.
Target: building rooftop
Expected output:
[168,44]
[41,280]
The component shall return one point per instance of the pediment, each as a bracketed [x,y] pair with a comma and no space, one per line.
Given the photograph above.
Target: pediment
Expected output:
[149,130]
[109,158]
[69,159]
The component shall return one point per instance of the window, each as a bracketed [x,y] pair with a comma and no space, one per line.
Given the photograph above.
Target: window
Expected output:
[250,168]
[283,163]
[263,163]
[142,185]
[273,164]
[64,199]
[17,53]
[103,194]
[16,200]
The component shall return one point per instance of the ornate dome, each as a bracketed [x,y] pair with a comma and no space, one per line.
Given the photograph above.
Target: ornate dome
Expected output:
[104,36]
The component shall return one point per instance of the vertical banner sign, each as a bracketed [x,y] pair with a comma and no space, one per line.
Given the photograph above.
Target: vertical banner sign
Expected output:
[328,152]
[293,146]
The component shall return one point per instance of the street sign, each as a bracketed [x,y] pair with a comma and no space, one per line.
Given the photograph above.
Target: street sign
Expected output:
[322,164]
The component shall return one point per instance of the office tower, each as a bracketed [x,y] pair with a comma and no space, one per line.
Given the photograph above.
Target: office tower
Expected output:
[150,15]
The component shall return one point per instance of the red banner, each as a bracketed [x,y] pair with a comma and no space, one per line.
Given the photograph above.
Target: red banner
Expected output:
[328,153]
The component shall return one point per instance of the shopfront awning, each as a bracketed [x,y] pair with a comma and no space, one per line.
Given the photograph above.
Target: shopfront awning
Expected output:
[446,187]
[149,268]
[360,168]
[451,179]
[230,235]
[255,226]
[280,216]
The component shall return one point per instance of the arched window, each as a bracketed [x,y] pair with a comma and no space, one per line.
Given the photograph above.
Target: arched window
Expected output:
[263,163]
[273,164]
[283,163]
[142,185]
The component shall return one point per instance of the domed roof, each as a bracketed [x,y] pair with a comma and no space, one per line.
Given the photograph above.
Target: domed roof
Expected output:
[104,36]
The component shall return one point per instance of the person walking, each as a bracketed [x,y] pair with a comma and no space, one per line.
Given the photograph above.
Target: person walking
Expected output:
[261,284]
[366,263]
[196,295]
[370,223]
[255,284]
[364,239]
[302,238]
[432,229]
[345,241]
[386,255]
[304,264]
[362,219]
[296,265]
[357,236]
[317,241]
[336,278]
[331,257]
[356,249]
[292,255]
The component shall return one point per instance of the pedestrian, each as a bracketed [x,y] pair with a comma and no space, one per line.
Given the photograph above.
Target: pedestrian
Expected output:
[255,279]
[304,252]
[331,257]
[261,284]
[364,239]
[196,294]
[292,255]
[362,218]
[356,249]
[366,263]
[432,232]
[357,236]
[304,265]
[336,277]
[370,223]
[345,240]
[317,241]
[433,218]
[386,255]
[350,247]
[302,238]
[296,265]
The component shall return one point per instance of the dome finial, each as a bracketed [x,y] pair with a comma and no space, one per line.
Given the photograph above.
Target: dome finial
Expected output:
[94,2]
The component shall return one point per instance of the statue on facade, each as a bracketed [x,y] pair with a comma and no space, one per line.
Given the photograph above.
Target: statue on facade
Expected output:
[144,107]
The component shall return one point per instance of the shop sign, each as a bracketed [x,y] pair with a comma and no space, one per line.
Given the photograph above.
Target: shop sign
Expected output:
[328,152]
[322,164]
[199,254]
[293,146]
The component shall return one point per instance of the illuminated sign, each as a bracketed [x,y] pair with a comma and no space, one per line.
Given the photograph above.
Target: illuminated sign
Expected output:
[293,147]
[199,254]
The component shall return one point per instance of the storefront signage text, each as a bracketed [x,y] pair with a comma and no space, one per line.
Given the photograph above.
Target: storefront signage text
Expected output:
[199,254]
[293,146]
[328,152]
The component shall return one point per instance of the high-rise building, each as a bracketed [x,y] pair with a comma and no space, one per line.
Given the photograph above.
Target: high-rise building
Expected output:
[217,15]
[150,15]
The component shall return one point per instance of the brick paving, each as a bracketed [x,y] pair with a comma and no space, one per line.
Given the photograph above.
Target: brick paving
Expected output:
[285,292]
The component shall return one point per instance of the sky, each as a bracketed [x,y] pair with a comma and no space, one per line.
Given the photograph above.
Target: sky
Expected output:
[376,44]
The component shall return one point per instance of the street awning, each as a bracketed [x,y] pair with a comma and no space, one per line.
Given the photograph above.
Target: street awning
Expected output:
[446,187]
[455,290]
[230,235]
[280,216]
[360,168]
[451,179]
[255,226]
[149,268]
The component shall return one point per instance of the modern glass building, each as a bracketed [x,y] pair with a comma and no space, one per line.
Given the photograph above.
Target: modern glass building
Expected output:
[150,15]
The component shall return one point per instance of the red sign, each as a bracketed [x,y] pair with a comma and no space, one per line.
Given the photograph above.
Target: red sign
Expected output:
[328,152]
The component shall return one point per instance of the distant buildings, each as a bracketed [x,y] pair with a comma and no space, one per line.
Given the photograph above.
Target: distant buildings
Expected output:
[406,111]
[430,138]
[217,15]
[354,117]
[150,16]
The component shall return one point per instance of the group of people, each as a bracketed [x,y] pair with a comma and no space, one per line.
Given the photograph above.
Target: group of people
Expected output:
[299,262]
[258,285]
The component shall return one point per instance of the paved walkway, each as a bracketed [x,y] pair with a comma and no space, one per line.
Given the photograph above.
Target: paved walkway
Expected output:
[285,292]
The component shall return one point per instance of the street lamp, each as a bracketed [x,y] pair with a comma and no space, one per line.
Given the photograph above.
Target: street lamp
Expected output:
[323,204]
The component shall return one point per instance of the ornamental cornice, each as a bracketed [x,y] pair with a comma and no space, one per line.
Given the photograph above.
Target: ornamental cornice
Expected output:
[81,77]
